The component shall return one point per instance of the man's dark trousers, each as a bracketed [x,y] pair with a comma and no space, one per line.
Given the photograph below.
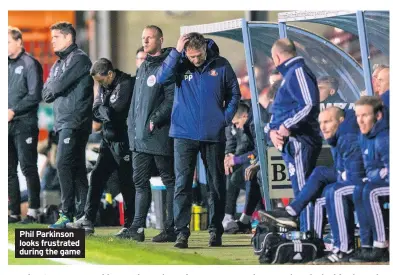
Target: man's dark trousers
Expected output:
[234,182]
[212,154]
[113,156]
[71,170]
[22,148]
[143,165]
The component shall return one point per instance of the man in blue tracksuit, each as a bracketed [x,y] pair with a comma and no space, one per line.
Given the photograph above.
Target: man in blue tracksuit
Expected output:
[340,130]
[383,79]
[350,171]
[206,98]
[294,127]
[374,142]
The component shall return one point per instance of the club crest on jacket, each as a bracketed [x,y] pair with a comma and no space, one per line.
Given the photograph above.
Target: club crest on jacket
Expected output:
[213,72]
[151,80]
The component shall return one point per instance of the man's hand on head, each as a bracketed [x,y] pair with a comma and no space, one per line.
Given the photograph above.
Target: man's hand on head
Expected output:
[180,43]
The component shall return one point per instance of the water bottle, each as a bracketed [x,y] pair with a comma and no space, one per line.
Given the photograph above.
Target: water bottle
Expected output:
[297,235]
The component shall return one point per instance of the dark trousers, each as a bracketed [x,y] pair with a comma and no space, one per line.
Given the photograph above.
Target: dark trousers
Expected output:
[143,165]
[71,170]
[22,148]
[212,154]
[253,196]
[113,156]
[235,182]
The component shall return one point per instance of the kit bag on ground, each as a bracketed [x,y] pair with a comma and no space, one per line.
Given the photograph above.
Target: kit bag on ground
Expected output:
[274,248]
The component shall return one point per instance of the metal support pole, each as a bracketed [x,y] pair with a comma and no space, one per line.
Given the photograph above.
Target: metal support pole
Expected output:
[256,113]
[364,51]
[282,29]
[103,34]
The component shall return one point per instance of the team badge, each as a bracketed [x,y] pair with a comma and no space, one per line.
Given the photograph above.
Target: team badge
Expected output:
[213,72]
[18,70]
[151,80]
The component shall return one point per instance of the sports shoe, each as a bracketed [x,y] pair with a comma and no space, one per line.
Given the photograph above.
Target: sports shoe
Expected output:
[335,257]
[61,222]
[29,219]
[359,254]
[240,228]
[215,240]
[181,241]
[13,219]
[137,234]
[165,236]
[279,216]
[82,223]
[124,233]
[227,221]
[371,255]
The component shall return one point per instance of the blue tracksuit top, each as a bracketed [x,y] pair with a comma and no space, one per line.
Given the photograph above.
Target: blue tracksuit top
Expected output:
[385,98]
[296,104]
[346,149]
[205,102]
[375,149]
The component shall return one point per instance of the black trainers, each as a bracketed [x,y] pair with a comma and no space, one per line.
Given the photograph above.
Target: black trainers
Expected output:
[215,240]
[239,228]
[13,220]
[165,236]
[372,255]
[82,223]
[138,234]
[29,219]
[279,216]
[124,233]
[181,241]
[358,256]
[335,257]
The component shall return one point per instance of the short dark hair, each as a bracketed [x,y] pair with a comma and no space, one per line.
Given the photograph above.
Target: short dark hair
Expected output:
[195,41]
[140,49]
[242,108]
[332,81]
[158,30]
[101,67]
[15,33]
[65,28]
[374,101]
[285,45]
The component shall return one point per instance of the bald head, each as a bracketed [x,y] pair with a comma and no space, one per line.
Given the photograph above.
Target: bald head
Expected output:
[329,120]
[383,79]
[282,50]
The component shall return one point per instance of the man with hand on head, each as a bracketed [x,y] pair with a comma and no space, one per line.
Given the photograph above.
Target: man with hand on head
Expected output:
[206,97]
